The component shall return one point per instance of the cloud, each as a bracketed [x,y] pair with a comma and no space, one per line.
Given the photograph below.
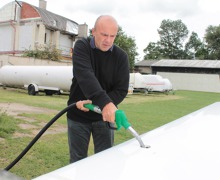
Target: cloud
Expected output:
[180,8]
[139,18]
[95,7]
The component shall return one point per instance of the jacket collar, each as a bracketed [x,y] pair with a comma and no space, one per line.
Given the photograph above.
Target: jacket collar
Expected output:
[92,44]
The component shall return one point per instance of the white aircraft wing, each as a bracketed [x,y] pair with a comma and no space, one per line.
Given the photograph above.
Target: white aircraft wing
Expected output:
[185,149]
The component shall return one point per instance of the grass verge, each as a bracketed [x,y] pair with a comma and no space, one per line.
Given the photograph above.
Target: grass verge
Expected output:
[144,112]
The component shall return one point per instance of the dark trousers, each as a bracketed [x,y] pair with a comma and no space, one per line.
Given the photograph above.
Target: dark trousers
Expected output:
[79,137]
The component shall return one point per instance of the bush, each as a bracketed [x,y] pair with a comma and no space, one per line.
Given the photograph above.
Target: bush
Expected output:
[44,52]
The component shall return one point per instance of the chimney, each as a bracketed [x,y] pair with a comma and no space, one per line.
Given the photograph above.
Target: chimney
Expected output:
[82,30]
[43,4]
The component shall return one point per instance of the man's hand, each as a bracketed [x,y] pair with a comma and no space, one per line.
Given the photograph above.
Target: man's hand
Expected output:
[80,105]
[108,112]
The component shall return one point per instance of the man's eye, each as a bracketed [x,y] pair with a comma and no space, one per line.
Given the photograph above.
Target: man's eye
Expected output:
[106,35]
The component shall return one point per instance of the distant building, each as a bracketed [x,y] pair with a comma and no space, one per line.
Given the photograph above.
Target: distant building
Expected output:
[26,27]
[194,75]
[144,67]
[187,66]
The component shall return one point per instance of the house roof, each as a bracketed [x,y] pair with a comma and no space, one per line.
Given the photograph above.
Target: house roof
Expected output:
[49,19]
[188,63]
[146,62]
[56,21]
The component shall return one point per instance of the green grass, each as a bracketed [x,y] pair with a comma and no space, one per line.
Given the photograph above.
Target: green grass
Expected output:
[144,112]
[7,125]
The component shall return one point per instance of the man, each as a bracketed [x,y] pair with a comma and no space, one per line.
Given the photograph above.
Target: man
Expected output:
[101,77]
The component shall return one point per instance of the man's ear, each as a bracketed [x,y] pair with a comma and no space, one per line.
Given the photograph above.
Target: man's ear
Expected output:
[93,31]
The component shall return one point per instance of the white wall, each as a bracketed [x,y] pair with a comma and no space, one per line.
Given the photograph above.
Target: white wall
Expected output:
[6,37]
[29,61]
[7,12]
[25,37]
[194,82]
[65,44]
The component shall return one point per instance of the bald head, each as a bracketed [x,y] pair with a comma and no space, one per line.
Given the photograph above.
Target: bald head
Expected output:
[104,32]
[105,19]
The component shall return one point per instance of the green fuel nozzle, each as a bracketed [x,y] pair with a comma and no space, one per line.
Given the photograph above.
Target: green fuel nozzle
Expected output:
[120,120]
[93,108]
[120,117]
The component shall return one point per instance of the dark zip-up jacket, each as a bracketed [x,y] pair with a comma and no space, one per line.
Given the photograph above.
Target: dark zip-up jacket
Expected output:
[102,77]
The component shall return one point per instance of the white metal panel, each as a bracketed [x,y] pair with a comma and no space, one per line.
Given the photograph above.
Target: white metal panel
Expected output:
[66,43]
[185,149]
[6,37]
[25,37]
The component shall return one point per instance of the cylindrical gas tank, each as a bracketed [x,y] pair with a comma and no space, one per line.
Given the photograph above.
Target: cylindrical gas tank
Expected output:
[45,77]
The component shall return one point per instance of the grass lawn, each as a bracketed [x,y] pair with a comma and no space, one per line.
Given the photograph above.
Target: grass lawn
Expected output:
[144,112]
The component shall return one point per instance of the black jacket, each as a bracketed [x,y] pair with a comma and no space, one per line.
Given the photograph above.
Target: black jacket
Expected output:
[102,77]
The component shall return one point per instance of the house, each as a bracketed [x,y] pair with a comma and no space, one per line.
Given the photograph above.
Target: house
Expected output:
[27,27]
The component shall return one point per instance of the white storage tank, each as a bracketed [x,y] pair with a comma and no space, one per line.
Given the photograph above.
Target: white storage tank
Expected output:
[137,80]
[50,79]
[150,83]
[157,83]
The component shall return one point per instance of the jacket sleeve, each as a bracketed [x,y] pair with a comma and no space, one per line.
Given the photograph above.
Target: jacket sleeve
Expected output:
[120,88]
[85,76]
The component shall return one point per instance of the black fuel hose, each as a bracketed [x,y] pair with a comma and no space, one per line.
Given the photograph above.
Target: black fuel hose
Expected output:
[39,135]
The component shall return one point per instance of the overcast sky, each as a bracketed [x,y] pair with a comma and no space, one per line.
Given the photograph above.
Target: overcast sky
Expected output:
[139,19]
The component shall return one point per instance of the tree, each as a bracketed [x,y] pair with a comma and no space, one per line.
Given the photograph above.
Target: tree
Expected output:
[172,35]
[170,46]
[152,51]
[128,45]
[212,38]
[195,48]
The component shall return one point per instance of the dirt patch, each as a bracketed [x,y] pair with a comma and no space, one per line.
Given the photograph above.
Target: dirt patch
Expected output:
[15,110]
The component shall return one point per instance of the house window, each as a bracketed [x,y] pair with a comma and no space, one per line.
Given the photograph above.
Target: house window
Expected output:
[45,38]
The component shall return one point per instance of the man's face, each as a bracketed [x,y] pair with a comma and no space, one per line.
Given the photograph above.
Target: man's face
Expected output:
[105,34]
